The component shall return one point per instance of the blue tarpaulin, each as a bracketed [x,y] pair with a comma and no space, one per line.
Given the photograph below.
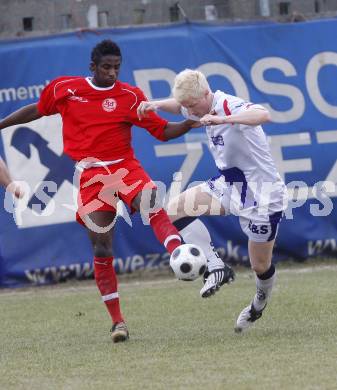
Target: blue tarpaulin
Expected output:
[289,68]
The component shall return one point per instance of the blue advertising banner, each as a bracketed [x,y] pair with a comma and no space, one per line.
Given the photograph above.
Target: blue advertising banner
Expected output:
[289,68]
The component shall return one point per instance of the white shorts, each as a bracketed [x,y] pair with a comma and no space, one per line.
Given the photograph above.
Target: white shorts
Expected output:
[259,223]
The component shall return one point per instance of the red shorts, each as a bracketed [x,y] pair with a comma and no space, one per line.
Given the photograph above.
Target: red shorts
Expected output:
[102,187]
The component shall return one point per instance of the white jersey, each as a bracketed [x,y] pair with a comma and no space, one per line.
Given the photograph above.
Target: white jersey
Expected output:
[242,153]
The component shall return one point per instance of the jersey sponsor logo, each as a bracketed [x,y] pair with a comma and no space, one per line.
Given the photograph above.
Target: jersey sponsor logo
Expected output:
[257,229]
[75,98]
[218,140]
[213,188]
[109,104]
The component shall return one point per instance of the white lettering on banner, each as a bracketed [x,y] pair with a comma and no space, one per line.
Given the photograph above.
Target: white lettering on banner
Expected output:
[60,274]
[277,142]
[231,252]
[21,93]
[193,151]
[145,76]
[150,261]
[137,262]
[321,246]
[305,164]
[227,71]
[152,258]
[279,89]
[284,166]
[327,137]
[29,160]
[311,76]
[7,95]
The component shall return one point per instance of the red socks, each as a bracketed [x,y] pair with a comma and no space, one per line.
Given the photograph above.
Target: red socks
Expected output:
[106,281]
[105,275]
[166,233]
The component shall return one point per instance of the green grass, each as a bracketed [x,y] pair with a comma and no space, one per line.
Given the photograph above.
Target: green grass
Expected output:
[57,337]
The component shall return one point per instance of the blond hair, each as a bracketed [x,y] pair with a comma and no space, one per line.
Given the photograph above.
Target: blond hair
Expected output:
[189,84]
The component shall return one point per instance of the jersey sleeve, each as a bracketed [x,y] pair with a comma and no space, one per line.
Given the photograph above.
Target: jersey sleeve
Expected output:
[48,100]
[153,123]
[232,105]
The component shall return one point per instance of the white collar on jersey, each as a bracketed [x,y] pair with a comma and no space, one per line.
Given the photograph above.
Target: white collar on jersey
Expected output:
[89,81]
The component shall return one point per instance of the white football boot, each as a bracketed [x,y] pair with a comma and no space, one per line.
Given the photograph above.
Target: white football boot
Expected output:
[215,279]
[247,318]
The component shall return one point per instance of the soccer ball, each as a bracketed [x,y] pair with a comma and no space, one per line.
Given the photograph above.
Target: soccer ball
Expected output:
[188,262]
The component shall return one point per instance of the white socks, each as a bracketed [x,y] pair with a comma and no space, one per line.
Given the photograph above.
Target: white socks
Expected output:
[197,233]
[264,286]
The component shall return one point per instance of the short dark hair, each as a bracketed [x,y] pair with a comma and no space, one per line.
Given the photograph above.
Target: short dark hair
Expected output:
[105,48]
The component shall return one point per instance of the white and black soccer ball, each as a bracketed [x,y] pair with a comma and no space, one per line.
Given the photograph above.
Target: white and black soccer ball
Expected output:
[188,262]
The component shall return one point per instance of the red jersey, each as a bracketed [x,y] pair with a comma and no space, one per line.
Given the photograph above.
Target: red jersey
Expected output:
[97,121]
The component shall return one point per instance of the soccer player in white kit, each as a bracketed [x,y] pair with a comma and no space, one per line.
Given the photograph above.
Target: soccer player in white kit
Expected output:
[248,184]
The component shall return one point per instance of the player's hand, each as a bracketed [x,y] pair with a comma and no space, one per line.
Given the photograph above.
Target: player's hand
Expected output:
[209,119]
[193,124]
[144,108]
[7,182]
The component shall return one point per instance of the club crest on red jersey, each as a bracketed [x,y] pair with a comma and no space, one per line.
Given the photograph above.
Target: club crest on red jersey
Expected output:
[109,104]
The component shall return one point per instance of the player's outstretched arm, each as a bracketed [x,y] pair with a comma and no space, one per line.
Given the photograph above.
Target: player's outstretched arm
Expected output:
[23,115]
[167,105]
[6,181]
[253,116]
[176,129]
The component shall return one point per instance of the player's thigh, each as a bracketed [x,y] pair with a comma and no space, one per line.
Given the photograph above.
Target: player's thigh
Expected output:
[261,231]
[147,200]
[139,192]
[194,202]
[260,255]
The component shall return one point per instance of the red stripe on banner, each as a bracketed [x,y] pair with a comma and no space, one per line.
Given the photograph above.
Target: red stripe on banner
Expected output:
[226,108]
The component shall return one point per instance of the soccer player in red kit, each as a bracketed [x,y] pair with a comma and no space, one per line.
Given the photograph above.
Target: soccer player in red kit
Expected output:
[98,113]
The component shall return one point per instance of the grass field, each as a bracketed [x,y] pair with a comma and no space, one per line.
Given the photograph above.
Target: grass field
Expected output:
[57,337]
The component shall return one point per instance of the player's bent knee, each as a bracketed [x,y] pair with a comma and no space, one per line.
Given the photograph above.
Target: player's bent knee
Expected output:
[260,268]
[102,248]
[102,252]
